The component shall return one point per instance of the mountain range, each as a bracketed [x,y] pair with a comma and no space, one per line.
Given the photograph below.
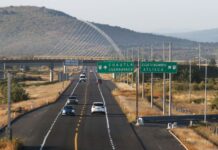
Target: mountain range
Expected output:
[210,35]
[30,31]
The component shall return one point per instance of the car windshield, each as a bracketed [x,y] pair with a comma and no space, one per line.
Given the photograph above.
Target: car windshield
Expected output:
[72,97]
[98,104]
[68,107]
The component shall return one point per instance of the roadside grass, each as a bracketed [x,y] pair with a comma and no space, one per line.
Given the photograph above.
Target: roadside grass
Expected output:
[199,138]
[6,144]
[125,96]
[209,132]
[193,140]
[39,96]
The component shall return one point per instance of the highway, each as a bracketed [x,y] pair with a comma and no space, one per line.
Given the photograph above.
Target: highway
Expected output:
[46,129]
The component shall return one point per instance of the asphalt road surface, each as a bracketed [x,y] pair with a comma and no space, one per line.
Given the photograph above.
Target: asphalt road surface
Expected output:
[46,129]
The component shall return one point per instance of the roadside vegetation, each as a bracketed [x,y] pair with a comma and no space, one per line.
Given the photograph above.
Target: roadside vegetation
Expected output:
[30,90]
[6,144]
[198,136]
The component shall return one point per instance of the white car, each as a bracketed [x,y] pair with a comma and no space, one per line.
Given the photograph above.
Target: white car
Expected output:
[98,107]
[82,78]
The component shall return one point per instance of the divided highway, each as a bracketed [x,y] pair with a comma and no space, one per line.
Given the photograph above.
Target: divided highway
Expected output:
[46,129]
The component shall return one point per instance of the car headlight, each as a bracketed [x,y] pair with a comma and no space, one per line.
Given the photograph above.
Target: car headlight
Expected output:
[64,111]
[73,111]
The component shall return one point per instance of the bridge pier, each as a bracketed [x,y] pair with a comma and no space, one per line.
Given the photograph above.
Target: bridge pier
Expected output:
[51,69]
[65,68]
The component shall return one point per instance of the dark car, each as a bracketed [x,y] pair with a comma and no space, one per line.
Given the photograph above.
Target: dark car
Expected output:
[72,100]
[68,110]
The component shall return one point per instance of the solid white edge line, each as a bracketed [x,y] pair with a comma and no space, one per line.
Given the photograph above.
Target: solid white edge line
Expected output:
[106,116]
[50,129]
[178,139]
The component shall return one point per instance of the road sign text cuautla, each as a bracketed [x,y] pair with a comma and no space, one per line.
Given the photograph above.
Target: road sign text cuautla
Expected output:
[115,66]
[158,67]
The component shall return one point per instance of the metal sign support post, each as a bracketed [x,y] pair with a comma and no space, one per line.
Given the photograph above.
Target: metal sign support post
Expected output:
[9,130]
[133,72]
[170,83]
[190,79]
[164,83]
[137,88]
[152,75]
[143,85]
[205,94]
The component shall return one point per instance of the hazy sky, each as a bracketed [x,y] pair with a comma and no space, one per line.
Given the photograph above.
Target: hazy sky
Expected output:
[161,16]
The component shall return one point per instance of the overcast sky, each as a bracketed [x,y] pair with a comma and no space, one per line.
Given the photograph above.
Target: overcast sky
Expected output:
[159,16]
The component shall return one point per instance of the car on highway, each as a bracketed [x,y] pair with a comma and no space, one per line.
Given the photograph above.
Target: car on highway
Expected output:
[68,110]
[72,100]
[82,78]
[98,107]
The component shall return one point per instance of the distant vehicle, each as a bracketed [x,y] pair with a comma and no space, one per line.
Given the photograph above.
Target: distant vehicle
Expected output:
[98,107]
[83,74]
[68,110]
[72,100]
[82,78]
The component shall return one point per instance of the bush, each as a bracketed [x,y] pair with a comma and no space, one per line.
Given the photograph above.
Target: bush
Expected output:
[198,101]
[214,104]
[180,86]
[18,93]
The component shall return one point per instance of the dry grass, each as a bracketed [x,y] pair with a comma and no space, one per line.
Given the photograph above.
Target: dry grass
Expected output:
[192,140]
[125,96]
[208,133]
[106,76]
[10,145]
[39,96]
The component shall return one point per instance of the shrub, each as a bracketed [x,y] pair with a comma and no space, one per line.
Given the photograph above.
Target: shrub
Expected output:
[18,93]
[214,104]
[198,101]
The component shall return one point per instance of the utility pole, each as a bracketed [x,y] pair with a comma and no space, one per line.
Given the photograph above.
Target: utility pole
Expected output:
[127,74]
[205,94]
[133,72]
[9,130]
[137,88]
[190,79]
[143,82]
[152,75]
[164,82]
[199,55]
[170,82]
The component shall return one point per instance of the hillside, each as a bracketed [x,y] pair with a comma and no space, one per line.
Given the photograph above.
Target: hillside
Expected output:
[31,31]
[201,36]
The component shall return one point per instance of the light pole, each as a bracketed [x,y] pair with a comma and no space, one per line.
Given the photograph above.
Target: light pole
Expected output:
[190,79]
[9,130]
[164,82]
[205,88]
[133,72]
[170,83]
[137,88]
[152,75]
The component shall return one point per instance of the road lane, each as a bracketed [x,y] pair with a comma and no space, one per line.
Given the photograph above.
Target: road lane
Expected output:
[32,127]
[86,131]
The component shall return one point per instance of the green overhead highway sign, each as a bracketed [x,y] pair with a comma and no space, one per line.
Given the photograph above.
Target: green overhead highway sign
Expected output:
[115,66]
[158,67]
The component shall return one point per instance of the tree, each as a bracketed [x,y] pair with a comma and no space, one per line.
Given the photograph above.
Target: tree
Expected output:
[212,62]
[18,93]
